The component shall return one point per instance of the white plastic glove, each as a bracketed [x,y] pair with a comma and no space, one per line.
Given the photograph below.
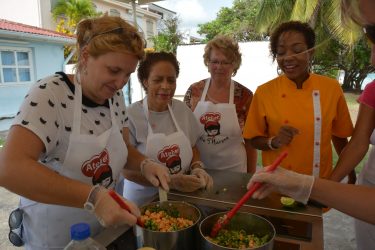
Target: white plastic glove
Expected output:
[295,185]
[185,183]
[155,173]
[206,180]
[110,214]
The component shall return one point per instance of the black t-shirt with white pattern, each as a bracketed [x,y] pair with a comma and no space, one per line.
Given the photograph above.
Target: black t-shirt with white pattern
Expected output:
[47,111]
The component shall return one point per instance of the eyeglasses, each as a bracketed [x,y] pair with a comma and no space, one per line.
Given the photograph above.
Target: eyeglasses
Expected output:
[370,32]
[15,226]
[222,63]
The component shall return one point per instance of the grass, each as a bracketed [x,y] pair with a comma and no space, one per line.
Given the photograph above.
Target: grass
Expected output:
[1,142]
[351,100]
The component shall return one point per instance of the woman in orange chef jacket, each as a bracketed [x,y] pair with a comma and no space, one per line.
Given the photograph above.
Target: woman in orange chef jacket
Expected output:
[68,145]
[355,200]
[165,130]
[299,111]
[221,106]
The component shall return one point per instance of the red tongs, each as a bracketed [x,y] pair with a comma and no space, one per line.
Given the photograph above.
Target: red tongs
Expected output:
[124,206]
[222,221]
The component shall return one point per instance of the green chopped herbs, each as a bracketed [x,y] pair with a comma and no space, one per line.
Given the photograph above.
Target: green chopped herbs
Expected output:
[238,239]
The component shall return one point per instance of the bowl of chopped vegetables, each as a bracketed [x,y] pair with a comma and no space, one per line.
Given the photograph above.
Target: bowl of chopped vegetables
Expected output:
[169,225]
[244,231]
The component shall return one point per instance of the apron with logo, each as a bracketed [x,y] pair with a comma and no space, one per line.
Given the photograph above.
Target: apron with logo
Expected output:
[221,144]
[90,159]
[365,232]
[174,151]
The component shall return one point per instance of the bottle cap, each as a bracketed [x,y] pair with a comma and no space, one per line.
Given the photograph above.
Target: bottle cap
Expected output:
[80,231]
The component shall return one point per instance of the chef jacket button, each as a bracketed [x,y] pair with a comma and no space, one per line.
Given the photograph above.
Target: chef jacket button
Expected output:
[316,165]
[283,95]
[286,121]
[318,118]
[317,143]
[315,94]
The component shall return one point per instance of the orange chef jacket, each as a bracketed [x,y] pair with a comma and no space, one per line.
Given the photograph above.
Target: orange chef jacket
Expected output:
[318,111]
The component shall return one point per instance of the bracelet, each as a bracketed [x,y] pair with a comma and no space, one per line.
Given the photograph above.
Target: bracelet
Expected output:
[269,143]
[92,198]
[143,163]
[199,163]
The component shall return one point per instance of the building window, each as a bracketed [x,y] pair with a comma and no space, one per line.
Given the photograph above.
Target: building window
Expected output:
[15,66]
[150,28]
[114,12]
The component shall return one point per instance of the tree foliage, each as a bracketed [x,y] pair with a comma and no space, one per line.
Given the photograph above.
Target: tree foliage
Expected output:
[237,22]
[169,37]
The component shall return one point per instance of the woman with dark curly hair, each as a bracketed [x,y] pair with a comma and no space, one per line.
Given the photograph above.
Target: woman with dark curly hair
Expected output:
[165,130]
[299,111]
[221,106]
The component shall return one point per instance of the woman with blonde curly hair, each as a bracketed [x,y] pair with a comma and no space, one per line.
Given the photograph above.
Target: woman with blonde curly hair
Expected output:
[221,106]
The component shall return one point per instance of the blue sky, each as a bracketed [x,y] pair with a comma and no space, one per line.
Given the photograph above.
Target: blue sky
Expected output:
[194,12]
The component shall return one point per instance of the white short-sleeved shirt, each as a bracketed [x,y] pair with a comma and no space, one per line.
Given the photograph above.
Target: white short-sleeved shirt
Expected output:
[161,122]
[47,111]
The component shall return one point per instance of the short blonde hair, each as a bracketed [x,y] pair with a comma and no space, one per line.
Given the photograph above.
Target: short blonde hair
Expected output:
[228,47]
[108,34]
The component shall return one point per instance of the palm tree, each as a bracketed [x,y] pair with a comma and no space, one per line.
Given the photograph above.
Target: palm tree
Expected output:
[338,47]
[324,16]
[68,13]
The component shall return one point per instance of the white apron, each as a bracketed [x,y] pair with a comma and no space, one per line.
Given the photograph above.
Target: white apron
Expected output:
[174,151]
[91,159]
[365,232]
[221,144]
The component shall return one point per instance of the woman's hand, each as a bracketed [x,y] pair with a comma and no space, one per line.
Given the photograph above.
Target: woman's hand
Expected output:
[295,185]
[285,136]
[155,173]
[206,179]
[185,183]
[110,214]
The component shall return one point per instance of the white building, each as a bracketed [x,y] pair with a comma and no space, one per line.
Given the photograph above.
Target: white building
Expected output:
[38,13]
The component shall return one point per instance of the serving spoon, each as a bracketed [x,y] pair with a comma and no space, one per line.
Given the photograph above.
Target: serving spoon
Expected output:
[222,221]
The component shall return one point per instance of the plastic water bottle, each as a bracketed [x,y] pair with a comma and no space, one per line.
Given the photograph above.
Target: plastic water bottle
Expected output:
[81,240]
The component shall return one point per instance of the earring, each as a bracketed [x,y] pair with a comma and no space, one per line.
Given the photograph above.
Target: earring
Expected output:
[278,70]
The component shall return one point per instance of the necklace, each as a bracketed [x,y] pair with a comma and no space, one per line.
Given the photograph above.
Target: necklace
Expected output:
[212,99]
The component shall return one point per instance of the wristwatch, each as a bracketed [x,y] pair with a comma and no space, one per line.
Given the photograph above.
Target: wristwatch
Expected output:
[91,199]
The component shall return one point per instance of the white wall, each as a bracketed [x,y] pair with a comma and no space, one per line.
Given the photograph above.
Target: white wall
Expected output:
[257,67]
[21,11]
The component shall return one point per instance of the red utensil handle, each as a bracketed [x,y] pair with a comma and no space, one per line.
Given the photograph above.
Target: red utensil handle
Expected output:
[123,205]
[255,186]
[119,200]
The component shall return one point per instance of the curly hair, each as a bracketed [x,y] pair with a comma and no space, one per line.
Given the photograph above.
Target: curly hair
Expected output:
[297,26]
[152,58]
[108,34]
[228,47]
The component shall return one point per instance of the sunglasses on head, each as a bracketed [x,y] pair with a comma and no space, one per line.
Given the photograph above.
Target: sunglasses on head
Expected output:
[370,32]
[119,30]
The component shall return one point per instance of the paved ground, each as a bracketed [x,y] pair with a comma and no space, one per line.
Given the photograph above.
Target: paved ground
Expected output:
[338,227]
